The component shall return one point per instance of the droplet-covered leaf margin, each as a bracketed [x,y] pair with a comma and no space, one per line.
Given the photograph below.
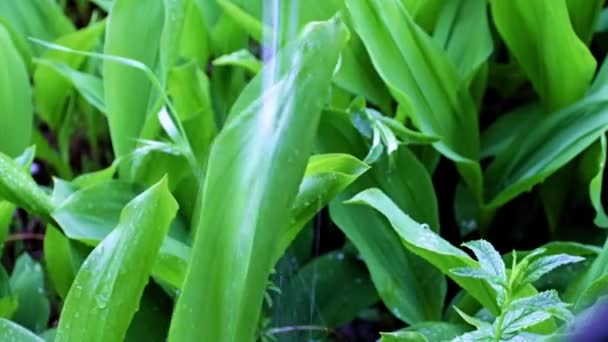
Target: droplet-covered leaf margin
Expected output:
[106,292]
[428,245]
[245,205]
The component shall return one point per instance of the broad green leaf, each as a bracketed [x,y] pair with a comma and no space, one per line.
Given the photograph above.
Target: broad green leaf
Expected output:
[408,183]
[584,16]
[51,88]
[194,41]
[428,245]
[270,129]
[90,87]
[356,73]
[90,224]
[128,92]
[13,332]
[423,80]
[61,260]
[325,177]
[603,21]
[18,187]
[557,139]
[91,213]
[16,98]
[27,284]
[329,291]
[464,33]
[540,36]
[42,19]
[106,292]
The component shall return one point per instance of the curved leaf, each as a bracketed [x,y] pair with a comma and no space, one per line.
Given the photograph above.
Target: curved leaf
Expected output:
[540,36]
[106,292]
[423,80]
[269,132]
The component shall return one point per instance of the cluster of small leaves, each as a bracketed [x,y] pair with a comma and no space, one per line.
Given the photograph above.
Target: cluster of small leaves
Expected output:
[517,313]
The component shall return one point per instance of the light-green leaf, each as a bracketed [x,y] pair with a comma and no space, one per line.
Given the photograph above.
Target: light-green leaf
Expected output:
[106,292]
[429,245]
[15,97]
[423,80]
[269,132]
[540,36]
[13,332]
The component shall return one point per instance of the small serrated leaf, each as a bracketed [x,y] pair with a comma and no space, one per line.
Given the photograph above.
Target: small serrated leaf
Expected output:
[541,266]
[488,258]
[546,301]
[518,320]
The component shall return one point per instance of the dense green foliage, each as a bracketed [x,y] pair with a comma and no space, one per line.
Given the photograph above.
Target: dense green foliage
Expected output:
[297,170]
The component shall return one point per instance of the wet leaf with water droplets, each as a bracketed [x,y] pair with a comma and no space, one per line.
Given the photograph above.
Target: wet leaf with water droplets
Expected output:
[102,302]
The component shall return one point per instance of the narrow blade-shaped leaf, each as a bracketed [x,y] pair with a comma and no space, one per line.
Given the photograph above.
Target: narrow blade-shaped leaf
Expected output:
[422,79]
[270,133]
[16,98]
[106,292]
[540,36]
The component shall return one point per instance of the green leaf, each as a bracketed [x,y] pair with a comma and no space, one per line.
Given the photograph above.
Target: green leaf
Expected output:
[438,331]
[241,58]
[18,187]
[408,183]
[88,86]
[51,88]
[422,78]
[516,321]
[542,40]
[106,292]
[34,18]
[330,291]
[557,139]
[61,260]
[273,124]
[403,336]
[584,16]
[543,265]
[488,258]
[547,301]
[596,290]
[27,284]
[8,302]
[428,245]
[325,177]
[595,160]
[7,210]
[16,98]
[128,93]
[464,33]
[13,332]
